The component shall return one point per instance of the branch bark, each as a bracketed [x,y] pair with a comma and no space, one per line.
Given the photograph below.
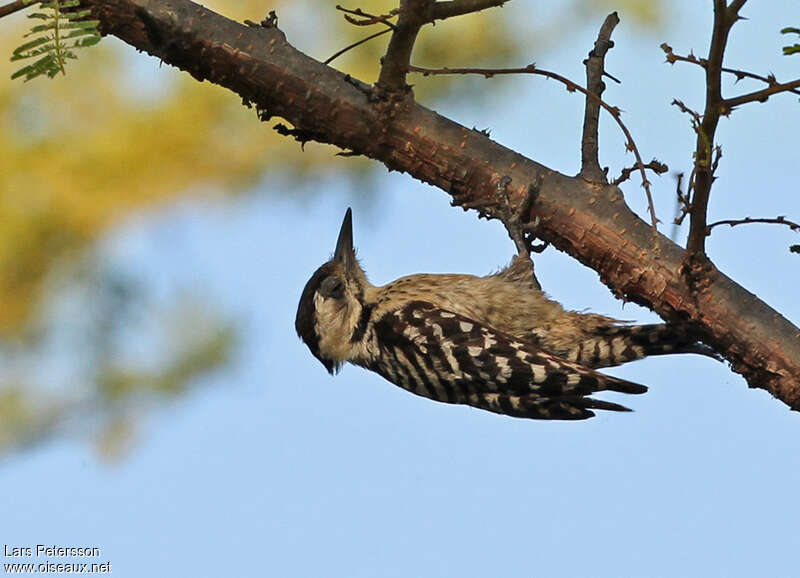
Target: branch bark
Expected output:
[591,222]
[394,65]
[15,6]
[595,68]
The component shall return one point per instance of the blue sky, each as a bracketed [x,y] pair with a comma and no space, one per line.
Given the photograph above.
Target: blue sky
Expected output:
[273,468]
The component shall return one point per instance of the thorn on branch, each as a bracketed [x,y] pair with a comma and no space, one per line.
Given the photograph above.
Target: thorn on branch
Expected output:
[271,21]
[263,114]
[300,135]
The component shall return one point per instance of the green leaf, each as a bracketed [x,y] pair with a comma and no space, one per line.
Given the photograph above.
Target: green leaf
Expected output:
[65,27]
[24,71]
[79,15]
[85,24]
[795,48]
[49,49]
[29,45]
[89,41]
[41,28]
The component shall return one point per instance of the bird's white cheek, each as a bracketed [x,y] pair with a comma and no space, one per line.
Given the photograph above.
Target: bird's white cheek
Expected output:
[334,324]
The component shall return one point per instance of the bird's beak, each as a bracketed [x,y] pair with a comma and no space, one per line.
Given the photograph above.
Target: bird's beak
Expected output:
[344,245]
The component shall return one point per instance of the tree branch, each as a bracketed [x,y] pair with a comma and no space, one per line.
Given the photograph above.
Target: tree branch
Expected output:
[672,58]
[367,18]
[724,18]
[448,9]
[595,68]
[780,220]
[413,15]
[593,224]
[656,166]
[15,6]
[571,87]
[760,95]
[394,65]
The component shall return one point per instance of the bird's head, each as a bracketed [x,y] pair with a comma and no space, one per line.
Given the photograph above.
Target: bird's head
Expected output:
[331,306]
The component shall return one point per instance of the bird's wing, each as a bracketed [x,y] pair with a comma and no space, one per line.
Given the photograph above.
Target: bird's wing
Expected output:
[449,357]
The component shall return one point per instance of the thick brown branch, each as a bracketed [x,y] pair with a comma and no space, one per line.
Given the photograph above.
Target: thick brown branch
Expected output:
[595,68]
[593,224]
[16,6]
[448,9]
[571,87]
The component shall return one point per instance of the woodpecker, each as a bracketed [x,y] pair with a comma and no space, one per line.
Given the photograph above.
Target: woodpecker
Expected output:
[497,342]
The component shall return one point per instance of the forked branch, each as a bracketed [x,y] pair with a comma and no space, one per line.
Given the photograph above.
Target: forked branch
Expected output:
[412,16]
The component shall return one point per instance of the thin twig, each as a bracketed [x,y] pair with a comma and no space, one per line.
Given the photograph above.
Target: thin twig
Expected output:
[571,87]
[360,42]
[655,165]
[739,74]
[760,95]
[696,118]
[781,220]
[368,19]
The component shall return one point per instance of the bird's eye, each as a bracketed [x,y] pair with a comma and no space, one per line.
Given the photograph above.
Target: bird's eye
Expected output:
[332,287]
